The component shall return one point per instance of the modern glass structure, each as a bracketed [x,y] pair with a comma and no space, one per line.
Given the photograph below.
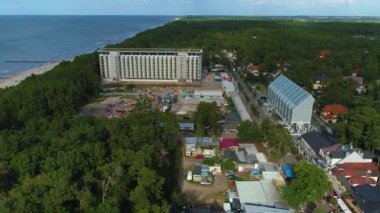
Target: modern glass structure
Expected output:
[165,65]
[292,103]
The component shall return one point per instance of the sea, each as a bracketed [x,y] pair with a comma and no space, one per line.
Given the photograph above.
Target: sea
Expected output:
[31,41]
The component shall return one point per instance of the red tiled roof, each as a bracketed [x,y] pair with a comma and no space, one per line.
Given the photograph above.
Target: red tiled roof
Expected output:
[335,109]
[335,172]
[229,142]
[253,68]
[325,53]
[359,169]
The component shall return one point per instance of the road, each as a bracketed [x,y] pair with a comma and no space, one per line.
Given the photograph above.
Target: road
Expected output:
[252,99]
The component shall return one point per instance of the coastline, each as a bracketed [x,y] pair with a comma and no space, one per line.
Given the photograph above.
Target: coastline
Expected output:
[16,79]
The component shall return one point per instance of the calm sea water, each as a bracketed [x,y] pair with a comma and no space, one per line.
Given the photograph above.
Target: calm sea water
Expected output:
[45,38]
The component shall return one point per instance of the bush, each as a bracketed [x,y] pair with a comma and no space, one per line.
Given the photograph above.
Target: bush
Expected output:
[228,165]
[211,161]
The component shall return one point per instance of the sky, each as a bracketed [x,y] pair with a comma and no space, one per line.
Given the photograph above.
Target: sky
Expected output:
[192,7]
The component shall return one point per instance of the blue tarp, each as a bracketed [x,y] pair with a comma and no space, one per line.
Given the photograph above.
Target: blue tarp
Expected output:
[288,170]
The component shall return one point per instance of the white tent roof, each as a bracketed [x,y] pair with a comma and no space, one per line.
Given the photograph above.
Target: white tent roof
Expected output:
[260,192]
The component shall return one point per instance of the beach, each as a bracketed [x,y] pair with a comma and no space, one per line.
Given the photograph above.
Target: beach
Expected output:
[14,80]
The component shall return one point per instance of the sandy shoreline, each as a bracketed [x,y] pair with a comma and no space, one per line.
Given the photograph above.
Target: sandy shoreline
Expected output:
[16,79]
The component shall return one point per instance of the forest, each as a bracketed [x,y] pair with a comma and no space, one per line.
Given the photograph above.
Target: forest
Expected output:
[53,160]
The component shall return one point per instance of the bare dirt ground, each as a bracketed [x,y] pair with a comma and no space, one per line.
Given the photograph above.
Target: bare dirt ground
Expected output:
[208,83]
[100,108]
[195,193]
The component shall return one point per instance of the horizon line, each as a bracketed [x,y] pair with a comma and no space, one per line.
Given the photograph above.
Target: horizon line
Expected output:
[351,16]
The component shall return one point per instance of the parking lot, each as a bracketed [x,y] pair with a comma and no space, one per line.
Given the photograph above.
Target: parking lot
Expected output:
[196,193]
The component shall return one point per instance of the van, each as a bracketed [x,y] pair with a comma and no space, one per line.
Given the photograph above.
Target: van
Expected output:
[189,176]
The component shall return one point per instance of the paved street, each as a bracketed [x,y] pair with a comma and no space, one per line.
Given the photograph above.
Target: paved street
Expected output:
[252,99]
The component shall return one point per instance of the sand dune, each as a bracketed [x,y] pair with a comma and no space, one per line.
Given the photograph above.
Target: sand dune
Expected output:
[14,80]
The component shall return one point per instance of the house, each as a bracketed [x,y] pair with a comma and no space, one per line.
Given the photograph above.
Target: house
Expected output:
[339,154]
[230,155]
[270,171]
[257,208]
[359,173]
[320,82]
[359,81]
[254,69]
[205,146]
[367,198]
[186,127]
[190,145]
[310,145]
[197,173]
[230,127]
[263,192]
[208,94]
[324,53]
[216,169]
[245,162]
[331,112]
[229,143]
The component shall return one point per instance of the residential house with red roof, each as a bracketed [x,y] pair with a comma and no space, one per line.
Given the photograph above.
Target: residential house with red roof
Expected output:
[331,112]
[254,69]
[324,53]
[359,174]
[229,143]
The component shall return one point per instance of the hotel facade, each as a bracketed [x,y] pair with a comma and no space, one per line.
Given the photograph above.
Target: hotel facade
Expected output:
[151,65]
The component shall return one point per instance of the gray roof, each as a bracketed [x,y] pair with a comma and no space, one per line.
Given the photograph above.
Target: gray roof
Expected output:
[252,208]
[367,154]
[269,167]
[186,125]
[197,170]
[368,197]
[338,154]
[316,141]
[202,141]
[290,91]
[230,125]
[262,192]
[229,154]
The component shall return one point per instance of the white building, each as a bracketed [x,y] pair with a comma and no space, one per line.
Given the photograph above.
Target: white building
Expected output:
[292,103]
[151,65]
[208,94]
[263,192]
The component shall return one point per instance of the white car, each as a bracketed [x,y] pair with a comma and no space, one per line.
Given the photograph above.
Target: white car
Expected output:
[205,182]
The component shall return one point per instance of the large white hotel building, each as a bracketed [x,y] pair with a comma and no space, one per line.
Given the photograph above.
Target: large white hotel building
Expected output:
[151,65]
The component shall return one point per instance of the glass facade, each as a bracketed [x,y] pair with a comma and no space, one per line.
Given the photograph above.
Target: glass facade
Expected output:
[291,102]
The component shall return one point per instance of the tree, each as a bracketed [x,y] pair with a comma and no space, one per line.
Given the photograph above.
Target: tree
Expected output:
[211,161]
[228,165]
[249,131]
[206,118]
[311,184]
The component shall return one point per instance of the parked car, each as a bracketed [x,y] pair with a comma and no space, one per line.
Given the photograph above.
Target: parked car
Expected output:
[229,172]
[189,175]
[205,182]
[231,177]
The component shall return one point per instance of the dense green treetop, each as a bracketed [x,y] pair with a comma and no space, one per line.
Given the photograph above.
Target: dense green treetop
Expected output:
[310,185]
[207,118]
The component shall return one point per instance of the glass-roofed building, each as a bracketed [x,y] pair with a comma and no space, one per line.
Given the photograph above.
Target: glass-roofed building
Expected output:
[292,103]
